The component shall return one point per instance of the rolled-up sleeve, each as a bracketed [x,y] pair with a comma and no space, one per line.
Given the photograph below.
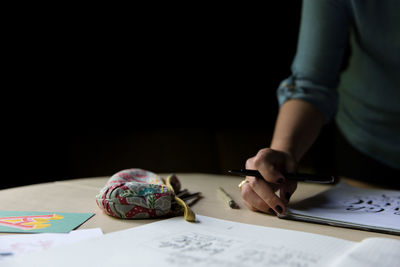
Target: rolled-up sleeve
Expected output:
[323,36]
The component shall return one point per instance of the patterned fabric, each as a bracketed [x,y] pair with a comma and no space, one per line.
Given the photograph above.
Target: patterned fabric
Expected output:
[138,194]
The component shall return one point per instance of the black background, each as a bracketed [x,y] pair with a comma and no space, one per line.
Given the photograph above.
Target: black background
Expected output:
[187,88]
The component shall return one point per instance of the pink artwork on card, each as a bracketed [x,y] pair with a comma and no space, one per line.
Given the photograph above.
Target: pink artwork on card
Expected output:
[29,222]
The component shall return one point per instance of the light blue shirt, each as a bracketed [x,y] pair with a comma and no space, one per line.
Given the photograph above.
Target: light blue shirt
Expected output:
[365,98]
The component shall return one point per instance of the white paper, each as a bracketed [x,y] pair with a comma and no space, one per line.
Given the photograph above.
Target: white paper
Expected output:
[372,252]
[13,245]
[359,206]
[208,242]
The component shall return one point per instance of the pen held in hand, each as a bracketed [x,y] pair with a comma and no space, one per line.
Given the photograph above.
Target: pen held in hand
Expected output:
[227,198]
[301,177]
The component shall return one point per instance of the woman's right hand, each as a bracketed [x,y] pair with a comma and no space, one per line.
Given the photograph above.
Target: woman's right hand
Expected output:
[259,194]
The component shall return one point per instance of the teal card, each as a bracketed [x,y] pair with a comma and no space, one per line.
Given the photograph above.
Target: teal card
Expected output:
[40,222]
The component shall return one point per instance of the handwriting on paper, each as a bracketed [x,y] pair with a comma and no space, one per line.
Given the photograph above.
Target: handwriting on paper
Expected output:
[375,204]
[198,244]
[211,250]
[270,255]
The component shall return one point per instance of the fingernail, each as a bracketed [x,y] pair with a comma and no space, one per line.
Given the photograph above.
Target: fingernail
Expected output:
[287,196]
[280,181]
[278,209]
[271,211]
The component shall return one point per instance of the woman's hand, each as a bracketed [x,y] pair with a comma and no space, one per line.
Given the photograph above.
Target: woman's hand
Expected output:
[259,194]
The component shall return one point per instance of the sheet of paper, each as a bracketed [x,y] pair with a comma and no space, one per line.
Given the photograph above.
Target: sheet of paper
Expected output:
[40,222]
[382,252]
[344,203]
[208,242]
[13,245]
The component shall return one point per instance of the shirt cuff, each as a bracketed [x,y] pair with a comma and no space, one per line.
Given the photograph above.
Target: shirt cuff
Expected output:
[323,98]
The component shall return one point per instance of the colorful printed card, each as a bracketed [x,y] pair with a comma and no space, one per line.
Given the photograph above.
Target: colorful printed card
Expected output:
[41,222]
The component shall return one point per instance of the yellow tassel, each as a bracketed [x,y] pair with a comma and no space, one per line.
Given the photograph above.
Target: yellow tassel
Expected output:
[188,214]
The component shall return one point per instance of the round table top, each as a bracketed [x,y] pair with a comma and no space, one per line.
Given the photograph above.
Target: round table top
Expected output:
[78,195]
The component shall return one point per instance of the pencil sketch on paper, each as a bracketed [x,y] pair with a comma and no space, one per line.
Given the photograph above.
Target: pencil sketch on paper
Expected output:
[198,244]
[204,249]
[270,255]
[375,204]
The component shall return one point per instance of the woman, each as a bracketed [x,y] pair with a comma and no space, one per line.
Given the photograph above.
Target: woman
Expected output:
[364,102]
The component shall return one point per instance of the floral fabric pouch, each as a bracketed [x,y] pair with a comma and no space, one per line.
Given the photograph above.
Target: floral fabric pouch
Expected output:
[141,194]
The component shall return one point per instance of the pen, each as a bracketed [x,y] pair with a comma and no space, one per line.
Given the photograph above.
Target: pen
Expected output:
[186,197]
[227,198]
[302,177]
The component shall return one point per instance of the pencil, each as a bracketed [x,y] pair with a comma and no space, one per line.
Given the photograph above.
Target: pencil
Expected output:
[227,198]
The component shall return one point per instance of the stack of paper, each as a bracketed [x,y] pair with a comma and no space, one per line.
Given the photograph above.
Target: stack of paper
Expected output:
[212,242]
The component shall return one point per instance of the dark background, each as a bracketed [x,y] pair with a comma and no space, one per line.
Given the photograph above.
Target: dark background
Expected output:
[95,90]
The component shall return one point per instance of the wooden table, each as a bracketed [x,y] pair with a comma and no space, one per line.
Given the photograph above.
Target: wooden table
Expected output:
[78,195]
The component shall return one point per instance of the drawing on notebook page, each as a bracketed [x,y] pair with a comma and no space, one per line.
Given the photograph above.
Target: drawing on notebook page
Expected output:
[382,203]
[349,206]
[197,244]
[197,248]
[269,255]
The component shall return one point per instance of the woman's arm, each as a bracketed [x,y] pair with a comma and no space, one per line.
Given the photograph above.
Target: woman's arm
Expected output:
[297,127]
[308,99]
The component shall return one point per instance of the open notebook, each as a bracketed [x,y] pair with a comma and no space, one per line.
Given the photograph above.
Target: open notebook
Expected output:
[213,242]
[347,206]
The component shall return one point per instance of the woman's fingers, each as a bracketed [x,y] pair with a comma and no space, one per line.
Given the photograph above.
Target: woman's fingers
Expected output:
[259,194]
[253,201]
[267,162]
[267,194]
[287,190]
